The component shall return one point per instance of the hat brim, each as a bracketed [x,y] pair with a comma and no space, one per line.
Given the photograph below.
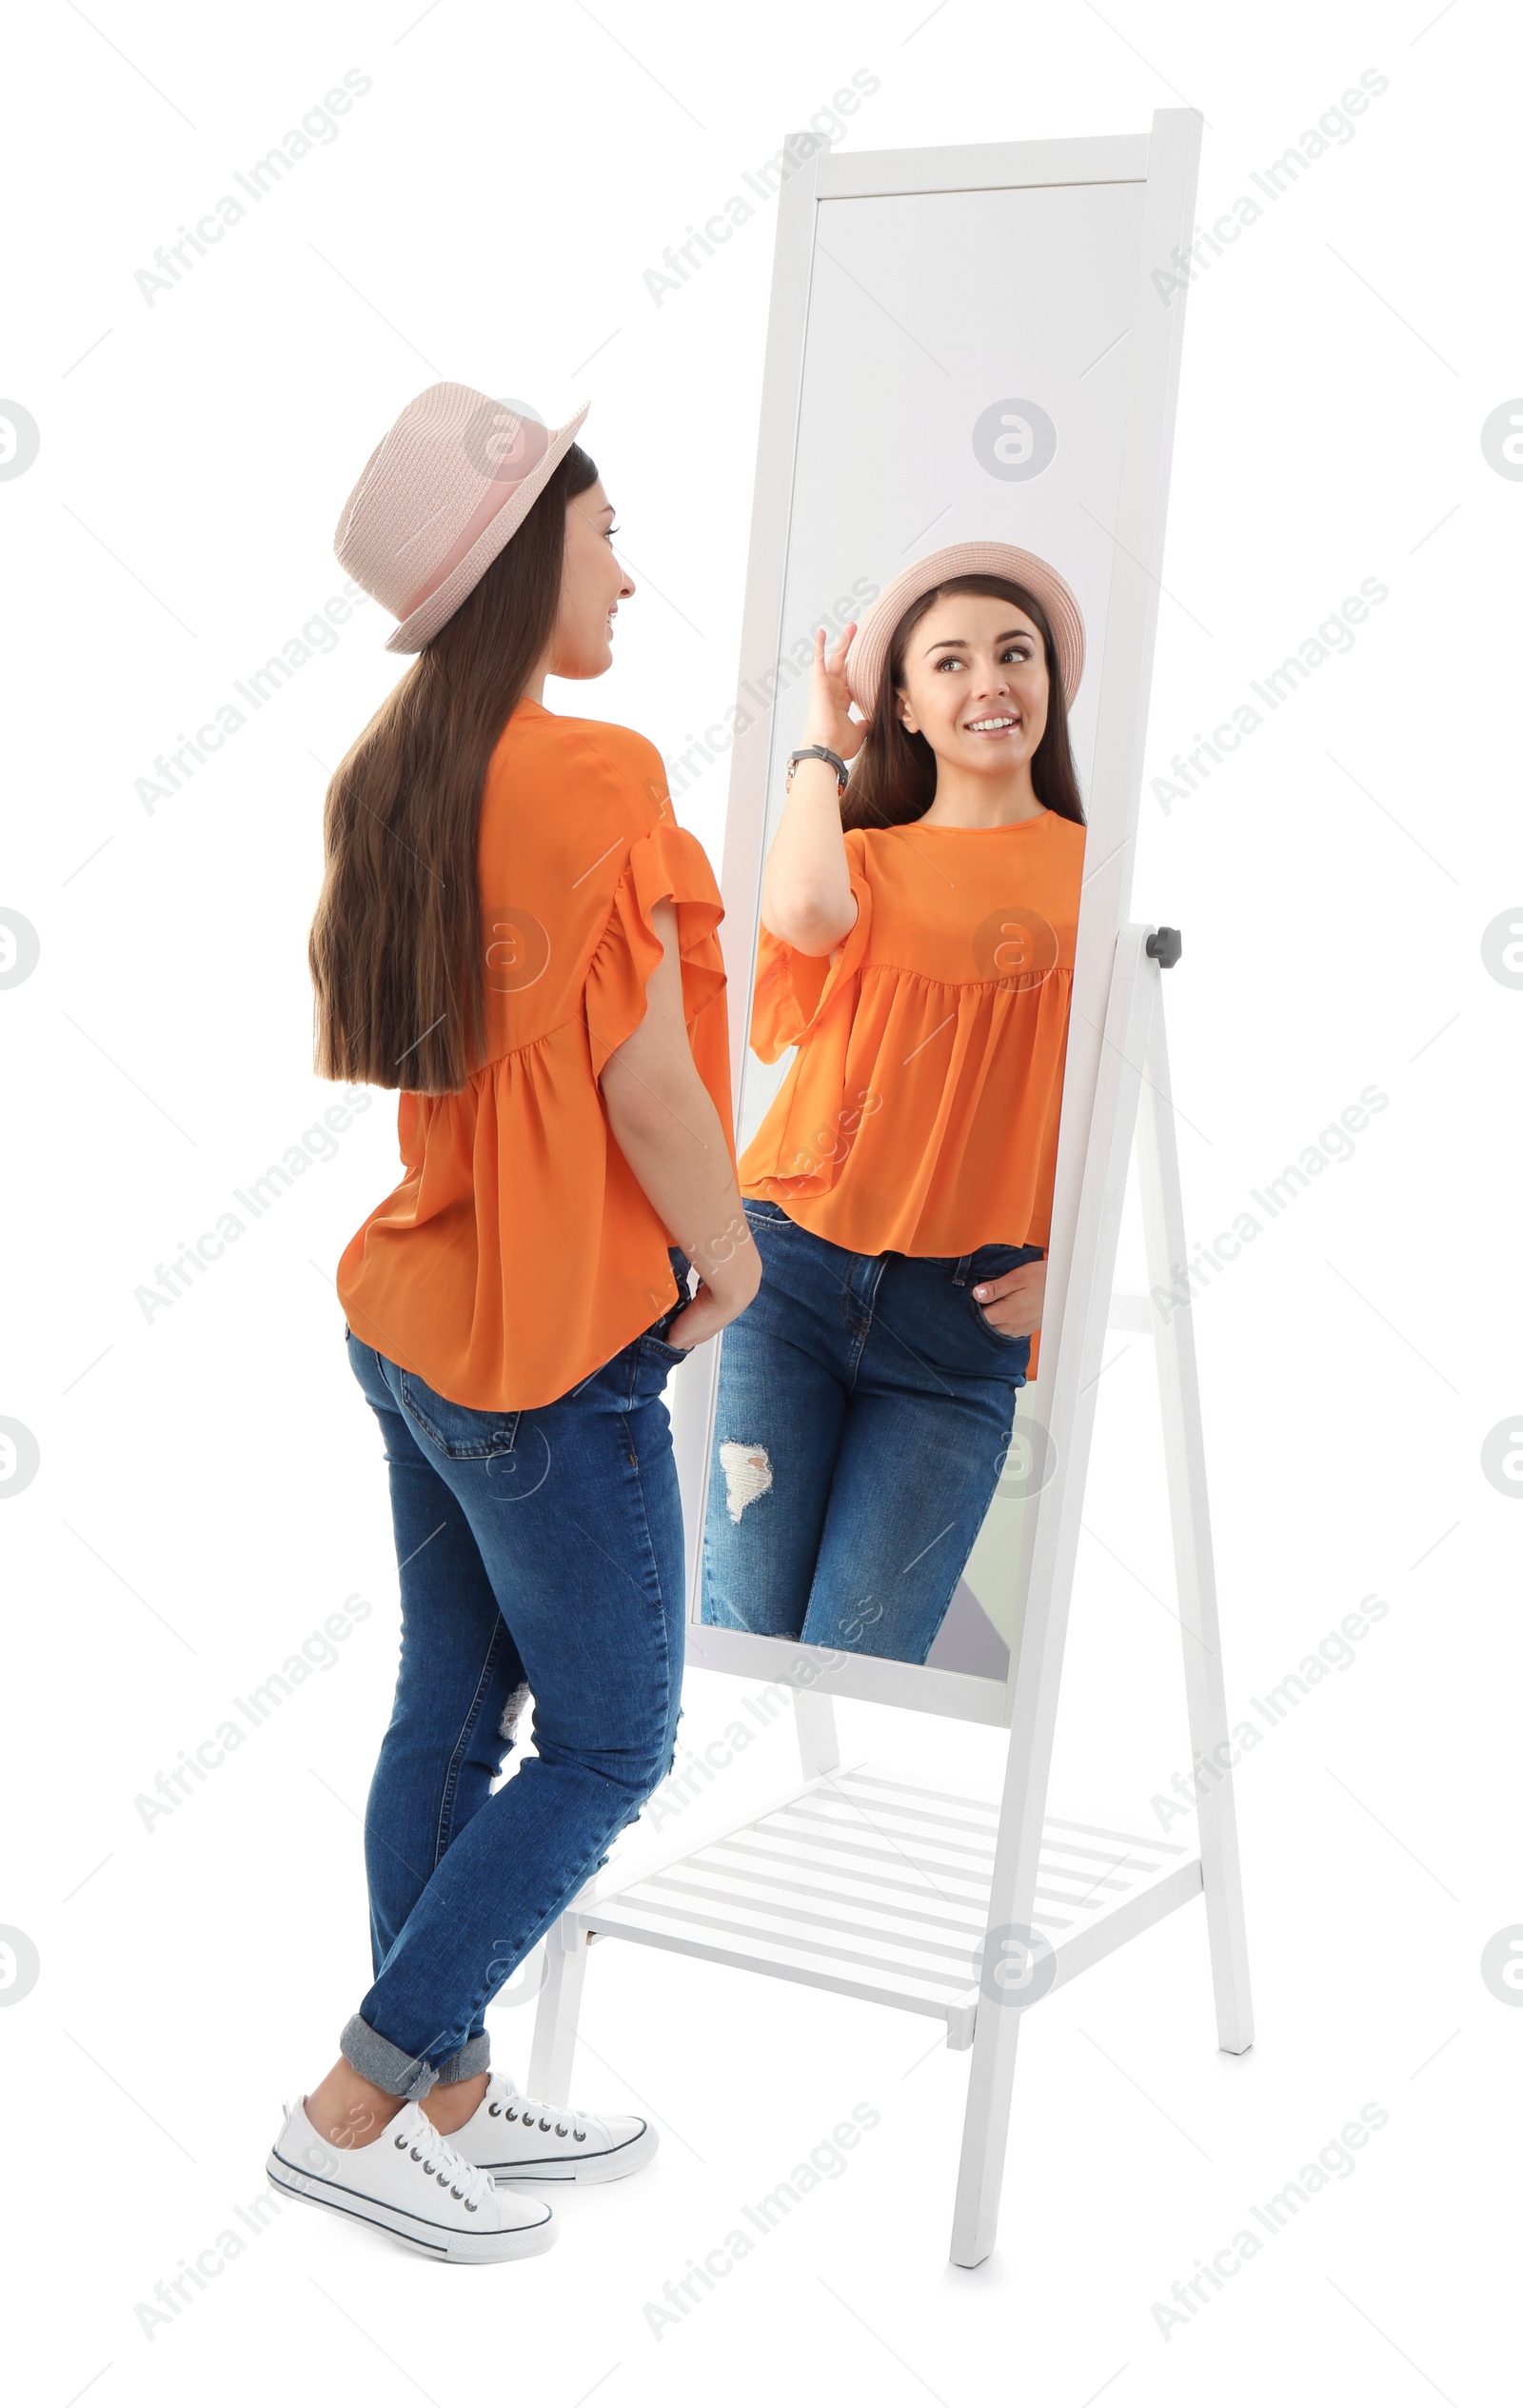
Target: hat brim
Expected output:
[868,655]
[425,622]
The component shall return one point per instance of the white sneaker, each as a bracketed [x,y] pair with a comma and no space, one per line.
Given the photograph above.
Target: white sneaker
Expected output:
[413,2183]
[522,2140]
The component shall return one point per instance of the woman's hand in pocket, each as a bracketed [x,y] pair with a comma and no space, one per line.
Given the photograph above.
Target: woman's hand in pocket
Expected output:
[1014,1301]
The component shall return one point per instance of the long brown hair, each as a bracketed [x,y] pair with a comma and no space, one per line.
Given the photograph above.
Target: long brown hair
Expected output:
[892,779]
[395,946]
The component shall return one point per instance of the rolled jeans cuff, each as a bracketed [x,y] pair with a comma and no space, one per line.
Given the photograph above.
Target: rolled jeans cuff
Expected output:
[391,2069]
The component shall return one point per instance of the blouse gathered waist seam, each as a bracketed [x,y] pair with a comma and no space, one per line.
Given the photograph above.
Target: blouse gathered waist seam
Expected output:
[479,1069]
[929,978]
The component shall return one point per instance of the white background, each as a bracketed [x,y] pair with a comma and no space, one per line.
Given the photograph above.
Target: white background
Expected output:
[212,1485]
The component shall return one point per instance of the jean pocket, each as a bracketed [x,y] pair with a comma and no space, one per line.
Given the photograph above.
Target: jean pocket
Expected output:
[663,1351]
[1000,1337]
[656,1343]
[992,1263]
[462,1432]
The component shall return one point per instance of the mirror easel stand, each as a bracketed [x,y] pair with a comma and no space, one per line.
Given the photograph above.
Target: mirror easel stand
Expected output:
[967,1909]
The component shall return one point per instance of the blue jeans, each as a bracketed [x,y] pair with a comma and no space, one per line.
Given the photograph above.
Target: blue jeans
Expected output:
[538,1550]
[865,1409]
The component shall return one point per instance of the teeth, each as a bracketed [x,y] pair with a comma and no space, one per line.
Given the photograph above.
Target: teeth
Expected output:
[1005,722]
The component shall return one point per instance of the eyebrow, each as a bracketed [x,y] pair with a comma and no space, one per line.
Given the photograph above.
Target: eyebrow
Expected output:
[961,644]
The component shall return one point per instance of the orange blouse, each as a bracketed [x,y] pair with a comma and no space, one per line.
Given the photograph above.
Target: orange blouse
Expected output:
[520,1252]
[920,1113]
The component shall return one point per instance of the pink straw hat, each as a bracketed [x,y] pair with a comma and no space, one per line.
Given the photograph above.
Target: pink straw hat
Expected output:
[868,654]
[439,497]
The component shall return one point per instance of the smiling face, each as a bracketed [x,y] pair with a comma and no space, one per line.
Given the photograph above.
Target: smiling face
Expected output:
[592,586]
[975,684]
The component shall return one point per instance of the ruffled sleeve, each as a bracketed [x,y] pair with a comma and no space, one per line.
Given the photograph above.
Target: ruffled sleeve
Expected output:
[667,863]
[795,990]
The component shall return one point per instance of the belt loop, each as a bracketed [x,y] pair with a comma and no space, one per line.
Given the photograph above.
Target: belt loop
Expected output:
[960,1277]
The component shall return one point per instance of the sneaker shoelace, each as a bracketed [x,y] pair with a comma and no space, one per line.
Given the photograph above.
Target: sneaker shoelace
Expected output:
[561,2121]
[433,2155]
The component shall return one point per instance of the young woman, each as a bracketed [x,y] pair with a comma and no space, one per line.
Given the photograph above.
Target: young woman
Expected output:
[514,931]
[918,928]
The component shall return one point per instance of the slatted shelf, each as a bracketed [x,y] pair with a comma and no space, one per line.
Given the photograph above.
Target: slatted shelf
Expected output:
[878,1888]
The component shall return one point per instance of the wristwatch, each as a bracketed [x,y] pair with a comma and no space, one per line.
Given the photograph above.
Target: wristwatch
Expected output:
[817,752]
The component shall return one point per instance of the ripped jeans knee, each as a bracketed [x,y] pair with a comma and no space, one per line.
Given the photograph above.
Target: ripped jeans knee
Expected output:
[747,1475]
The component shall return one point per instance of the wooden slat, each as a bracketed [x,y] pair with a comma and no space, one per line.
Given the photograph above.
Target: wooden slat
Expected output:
[791,1912]
[766,1946]
[927,1829]
[871,1880]
[863,1777]
[769,1847]
[854,1833]
[787,1965]
[786,1888]
[864,1877]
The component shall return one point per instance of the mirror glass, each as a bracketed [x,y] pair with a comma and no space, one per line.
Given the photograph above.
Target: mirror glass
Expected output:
[873,1448]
